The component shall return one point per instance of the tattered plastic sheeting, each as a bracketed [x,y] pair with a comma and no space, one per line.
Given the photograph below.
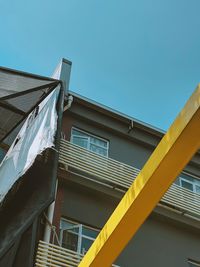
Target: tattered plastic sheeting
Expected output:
[37,134]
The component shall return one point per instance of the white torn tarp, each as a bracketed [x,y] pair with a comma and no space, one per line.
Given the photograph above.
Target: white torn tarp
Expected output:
[37,134]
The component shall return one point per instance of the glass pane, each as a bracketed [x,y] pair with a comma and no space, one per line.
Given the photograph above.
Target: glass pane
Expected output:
[187,177]
[177,181]
[98,142]
[2,154]
[197,187]
[79,133]
[187,185]
[89,232]
[70,240]
[80,141]
[197,182]
[65,225]
[86,244]
[98,150]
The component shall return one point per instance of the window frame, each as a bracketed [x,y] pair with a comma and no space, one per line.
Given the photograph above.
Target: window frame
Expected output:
[194,183]
[79,233]
[89,135]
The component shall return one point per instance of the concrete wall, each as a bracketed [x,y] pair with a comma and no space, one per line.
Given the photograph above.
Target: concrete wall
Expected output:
[159,242]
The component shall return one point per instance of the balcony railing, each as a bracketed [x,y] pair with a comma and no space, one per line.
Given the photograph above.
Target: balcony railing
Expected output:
[119,175]
[49,255]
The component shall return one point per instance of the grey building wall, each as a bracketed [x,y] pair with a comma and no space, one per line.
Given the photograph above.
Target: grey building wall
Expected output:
[163,240]
[132,147]
[159,242]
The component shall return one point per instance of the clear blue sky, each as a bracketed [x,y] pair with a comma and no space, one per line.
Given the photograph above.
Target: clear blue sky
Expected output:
[139,57]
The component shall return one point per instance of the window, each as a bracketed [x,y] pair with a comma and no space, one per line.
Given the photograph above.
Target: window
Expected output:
[190,183]
[192,263]
[2,154]
[76,237]
[90,142]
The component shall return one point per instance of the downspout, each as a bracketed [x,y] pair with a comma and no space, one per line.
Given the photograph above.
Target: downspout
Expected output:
[70,100]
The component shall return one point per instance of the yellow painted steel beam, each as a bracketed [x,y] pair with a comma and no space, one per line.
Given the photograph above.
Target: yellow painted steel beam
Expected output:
[166,162]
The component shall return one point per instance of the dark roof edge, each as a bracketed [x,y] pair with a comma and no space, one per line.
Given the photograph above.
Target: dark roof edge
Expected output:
[26,74]
[118,113]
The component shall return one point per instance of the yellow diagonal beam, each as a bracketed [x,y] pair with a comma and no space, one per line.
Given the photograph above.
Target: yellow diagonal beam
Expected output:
[169,158]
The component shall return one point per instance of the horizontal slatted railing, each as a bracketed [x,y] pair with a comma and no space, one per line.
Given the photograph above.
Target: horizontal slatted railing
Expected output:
[49,255]
[120,175]
[109,170]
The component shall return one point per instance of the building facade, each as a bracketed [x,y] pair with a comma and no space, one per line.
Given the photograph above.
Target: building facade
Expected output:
[101,153]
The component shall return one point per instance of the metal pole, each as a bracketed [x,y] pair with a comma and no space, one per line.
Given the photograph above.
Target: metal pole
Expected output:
[55,158]
[63,73]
